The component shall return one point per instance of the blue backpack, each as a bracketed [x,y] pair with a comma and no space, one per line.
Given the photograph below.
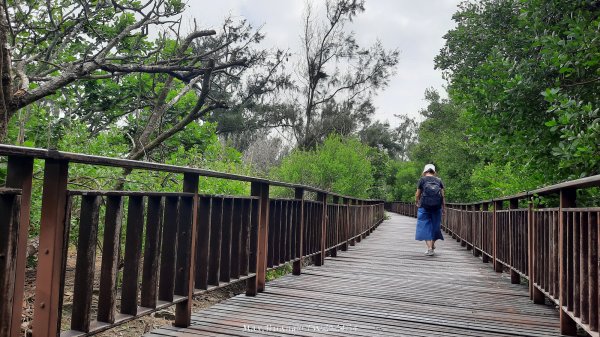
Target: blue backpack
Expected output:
[431,197]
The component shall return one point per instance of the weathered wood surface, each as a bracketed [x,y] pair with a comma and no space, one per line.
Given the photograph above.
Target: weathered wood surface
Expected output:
[383,286]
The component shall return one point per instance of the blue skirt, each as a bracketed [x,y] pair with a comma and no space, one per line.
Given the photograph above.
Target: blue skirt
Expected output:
[428,224]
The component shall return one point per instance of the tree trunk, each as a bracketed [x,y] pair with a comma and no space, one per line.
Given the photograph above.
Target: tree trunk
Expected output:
[5,74]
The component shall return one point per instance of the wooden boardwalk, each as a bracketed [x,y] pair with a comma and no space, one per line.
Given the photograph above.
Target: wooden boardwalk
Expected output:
[383,286]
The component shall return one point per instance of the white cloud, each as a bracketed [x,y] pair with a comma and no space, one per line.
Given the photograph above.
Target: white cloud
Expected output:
[414,27]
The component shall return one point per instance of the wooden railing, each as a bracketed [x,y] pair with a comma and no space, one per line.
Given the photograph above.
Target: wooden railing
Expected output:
[554,248]
[158,249]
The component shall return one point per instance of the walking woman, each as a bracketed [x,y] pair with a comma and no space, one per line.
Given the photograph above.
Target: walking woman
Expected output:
[431,202]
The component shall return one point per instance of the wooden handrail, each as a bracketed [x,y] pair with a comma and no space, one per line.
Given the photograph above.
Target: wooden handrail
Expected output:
[27,152]
[198,242]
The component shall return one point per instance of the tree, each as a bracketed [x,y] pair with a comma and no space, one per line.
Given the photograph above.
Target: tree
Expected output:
[264,154]
[337,77]
[443,140]
[396,142]
[526,73]
[82,53]
[49,46]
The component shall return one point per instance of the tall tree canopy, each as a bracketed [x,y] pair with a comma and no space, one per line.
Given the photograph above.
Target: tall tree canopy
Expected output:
[527,74]
[523,107]
[94,62]
[337,76]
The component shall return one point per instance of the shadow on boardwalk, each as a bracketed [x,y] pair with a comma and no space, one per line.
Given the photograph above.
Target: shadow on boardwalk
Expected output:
[384,286]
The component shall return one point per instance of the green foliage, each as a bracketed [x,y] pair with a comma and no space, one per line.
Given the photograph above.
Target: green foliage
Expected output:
[523,107]
[278,272]
[405,181]
[491,180]
[443,141]
[340,165]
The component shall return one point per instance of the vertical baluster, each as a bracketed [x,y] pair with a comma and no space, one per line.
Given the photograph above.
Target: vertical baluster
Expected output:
[294,231]
[334,226]
[168,252]
[273,222]
[203,251]
[284,232]
[514,244]
[544,263]
[19,173]
[214,264]
[297,267]
[236,236]
[253,263]
[352,220]
[322,223]
[583,267]
[311,227]
[225,269]
[9,234]
[551,266]
[110,259]
[133,249]
[593,270]
[151,252]
[556,293]
[85,265]
[535,294]
[497,207]
[289,251]
[246,223]
[577,265]
[345,224]
[569,258]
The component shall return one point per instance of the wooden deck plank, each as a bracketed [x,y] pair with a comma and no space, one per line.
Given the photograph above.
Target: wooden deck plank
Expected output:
[383,286]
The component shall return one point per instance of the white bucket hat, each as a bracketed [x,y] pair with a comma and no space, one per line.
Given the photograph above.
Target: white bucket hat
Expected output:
[429,167]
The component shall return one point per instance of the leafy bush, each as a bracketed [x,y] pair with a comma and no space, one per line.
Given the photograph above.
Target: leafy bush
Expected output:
[340,165]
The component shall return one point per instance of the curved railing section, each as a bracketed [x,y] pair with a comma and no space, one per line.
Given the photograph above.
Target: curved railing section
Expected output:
[554,248]
[137,252]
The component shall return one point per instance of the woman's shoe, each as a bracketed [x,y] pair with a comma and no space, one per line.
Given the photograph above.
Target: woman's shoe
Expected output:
[429,252]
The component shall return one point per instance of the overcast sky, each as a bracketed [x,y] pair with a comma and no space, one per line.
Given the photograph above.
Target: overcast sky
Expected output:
[412,26]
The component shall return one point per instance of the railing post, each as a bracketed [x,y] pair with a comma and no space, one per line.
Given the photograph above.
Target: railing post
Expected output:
[183,310]
[485,207]
[19,175]
[52,242]
[319,259]
[257,284]
[297,266]
[567,199]
[515,278]
[496,265]
[333,252]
